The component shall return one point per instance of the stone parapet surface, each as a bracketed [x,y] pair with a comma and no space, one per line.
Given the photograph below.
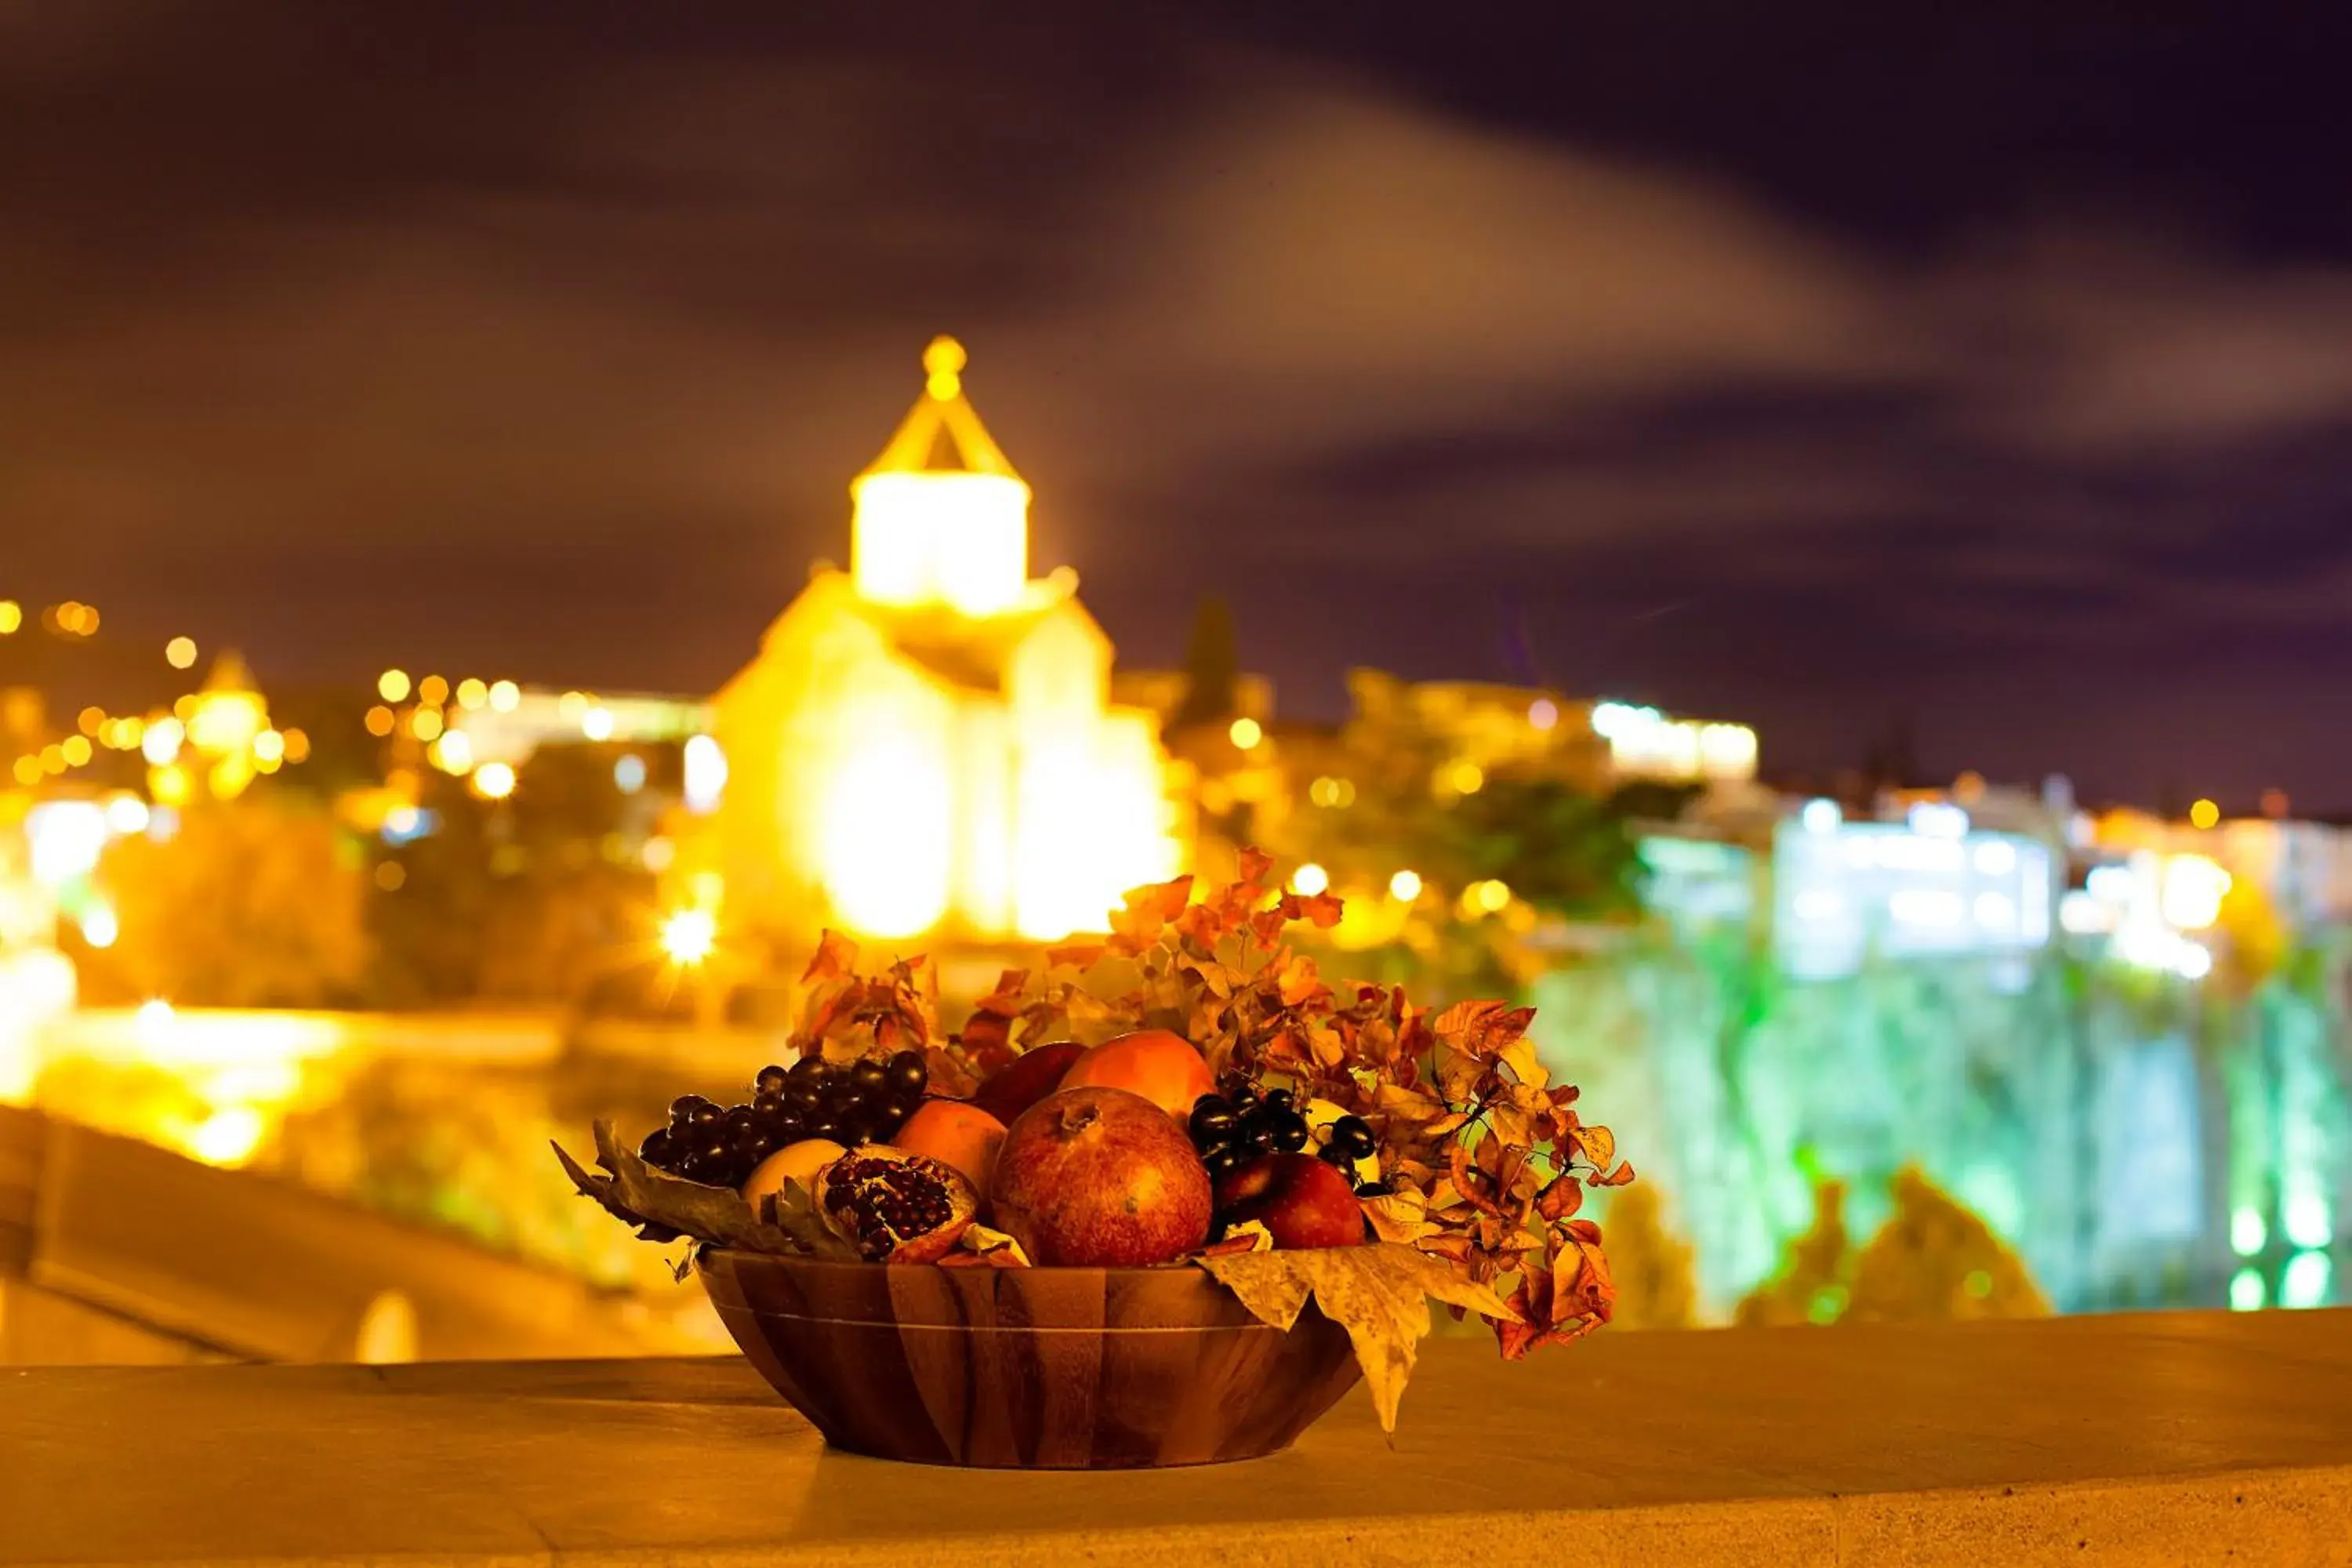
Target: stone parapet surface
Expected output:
[2189,1437]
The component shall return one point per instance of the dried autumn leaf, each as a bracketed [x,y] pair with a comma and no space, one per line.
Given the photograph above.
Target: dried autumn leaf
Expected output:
[664,1208]
[1378,1292]
[979,1244]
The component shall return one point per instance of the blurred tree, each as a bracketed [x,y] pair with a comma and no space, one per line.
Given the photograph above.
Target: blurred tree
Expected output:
[1811,1285]
[1934,1259]
[1212,667]
[253,902]
[1658,1284]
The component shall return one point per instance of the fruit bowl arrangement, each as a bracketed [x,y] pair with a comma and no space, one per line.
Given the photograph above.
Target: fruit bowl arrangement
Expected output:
[1162,1200]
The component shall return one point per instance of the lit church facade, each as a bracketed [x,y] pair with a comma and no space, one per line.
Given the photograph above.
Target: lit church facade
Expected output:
[926,743]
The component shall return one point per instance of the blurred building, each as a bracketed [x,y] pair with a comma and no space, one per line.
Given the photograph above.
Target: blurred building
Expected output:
[928,741]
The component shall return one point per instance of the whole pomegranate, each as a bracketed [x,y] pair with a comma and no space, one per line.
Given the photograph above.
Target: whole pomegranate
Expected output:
[1158,1064]
[1099,1178]
[894,1207]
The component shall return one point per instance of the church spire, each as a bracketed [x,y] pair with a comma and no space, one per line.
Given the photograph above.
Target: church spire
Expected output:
[941,433]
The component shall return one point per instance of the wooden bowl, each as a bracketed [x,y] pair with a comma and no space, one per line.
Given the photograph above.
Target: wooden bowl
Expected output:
[1028,1368]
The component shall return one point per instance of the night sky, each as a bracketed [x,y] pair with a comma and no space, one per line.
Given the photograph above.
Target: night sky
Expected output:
[1819,368]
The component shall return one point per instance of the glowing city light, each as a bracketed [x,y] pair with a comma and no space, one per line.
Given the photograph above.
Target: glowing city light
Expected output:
[688,936]
[1405,886]
[1820,815]
[180,652]
[433,691]
[381,720]
[393,685]
[229,1137]
[505,696]
[596,723]
[629,773]
[2305,1283]
[269,746]
[1543,713]
[1310,880]
[297,746]
[1465,778]
[1246,733]
[1937,819]
[161,742]
[472,694]
[12,616]
[705,766]
[65,838]
[657,855]
[1493,896]
[99,926]
[2247,1231]
[2193,888]
[2203,813]
[453,753]
[494,781]
[126,814]
[2247,1293]
[2307,1221]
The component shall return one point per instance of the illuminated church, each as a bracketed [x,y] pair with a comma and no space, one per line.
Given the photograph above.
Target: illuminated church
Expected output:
[926,742]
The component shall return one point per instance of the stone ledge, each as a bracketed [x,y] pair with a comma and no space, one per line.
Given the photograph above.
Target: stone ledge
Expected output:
[2159,1438]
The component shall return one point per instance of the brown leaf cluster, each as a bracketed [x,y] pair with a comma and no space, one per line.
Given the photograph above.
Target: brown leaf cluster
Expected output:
[1488,1159]
[846,1015]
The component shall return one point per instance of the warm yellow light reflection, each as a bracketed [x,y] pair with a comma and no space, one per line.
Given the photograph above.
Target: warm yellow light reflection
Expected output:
[297,746]
[392,685]
[505,696]
[89,719]
[433,689]
[2204,814]
[1246,733]
[269,746]
[597,723]
[180,652]
[1405,886]
[1310,880]
[471,694]
[688,936]
[425,723]
[494,781]
[76,750]
[381,720]
[229,1137]
[12,616]
[453,753]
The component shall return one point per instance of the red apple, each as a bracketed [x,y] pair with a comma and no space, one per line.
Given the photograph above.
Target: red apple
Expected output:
[1166,1069]
[958,1134]
[1026,1080]
[1099,1178]
[1301,1201]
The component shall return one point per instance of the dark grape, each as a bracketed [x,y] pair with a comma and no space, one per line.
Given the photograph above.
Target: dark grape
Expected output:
[1220,1161]
[658,1149]
[843,1097]
[1289,1131]
[756,1148]
[705,1117]
[683,1108]
[907,1076]
[785,1125]
[1212,1121]
[1257,1137]
[714,1157]
[1243,1098]
[768,1102]
[771,1079]
[870,1077]
[884,1120]
[825,1126]
[1354,1134]
[806,1094]
[737,1116]
[811,1070]
[1276,1099]
[1373,1190]
[1332,1154]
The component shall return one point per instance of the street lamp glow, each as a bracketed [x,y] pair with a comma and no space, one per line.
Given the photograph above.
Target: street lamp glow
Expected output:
[1405,886]
[597,723]
[505,696]
[1246,733]
[689,935]
[494,781]
[1310,880]
[392,685]
[2204,814]
[180,652]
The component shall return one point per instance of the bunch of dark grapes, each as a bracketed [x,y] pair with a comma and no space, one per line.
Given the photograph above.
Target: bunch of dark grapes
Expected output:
[866,1103]
[1236,1126]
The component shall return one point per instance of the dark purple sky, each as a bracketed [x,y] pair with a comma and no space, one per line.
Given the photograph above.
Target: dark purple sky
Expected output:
[1788,363]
